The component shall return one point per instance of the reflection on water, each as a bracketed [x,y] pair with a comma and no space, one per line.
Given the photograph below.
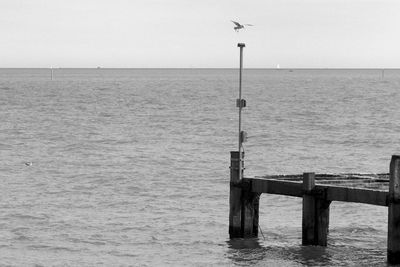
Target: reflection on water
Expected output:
[255,251]
[311,255]
[246,251]
[244,243]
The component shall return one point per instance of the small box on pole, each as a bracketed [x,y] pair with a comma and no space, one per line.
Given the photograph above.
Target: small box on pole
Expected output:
[240,103]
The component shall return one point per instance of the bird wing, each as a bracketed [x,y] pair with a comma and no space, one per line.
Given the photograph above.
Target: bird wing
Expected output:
[249,24]
[236,23]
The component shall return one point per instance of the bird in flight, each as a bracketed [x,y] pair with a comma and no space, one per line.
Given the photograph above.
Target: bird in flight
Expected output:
[239,26]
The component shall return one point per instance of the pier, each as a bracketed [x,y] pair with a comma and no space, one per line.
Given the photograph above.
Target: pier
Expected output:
[317,191]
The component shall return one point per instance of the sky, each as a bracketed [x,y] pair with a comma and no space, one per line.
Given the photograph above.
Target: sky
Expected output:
[199,34]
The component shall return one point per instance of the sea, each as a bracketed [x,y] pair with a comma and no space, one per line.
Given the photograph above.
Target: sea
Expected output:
[130,167]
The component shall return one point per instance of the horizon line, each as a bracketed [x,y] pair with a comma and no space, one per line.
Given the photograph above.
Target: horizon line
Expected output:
[265,68]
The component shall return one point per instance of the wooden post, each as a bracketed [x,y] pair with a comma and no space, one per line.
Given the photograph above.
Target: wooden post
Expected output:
[235,198]
[308,222]
[315,221]
[393,249]
[322,214]
[250,211]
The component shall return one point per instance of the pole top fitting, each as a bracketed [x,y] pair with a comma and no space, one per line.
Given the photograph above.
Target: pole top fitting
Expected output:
[241,45]
[394,157]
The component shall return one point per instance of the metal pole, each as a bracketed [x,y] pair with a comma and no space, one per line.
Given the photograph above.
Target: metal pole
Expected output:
[240,45]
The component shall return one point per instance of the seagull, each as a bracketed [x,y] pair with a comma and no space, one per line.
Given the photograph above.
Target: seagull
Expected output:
[239,26]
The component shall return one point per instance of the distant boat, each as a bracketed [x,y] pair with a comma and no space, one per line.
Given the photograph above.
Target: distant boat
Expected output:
[278,67]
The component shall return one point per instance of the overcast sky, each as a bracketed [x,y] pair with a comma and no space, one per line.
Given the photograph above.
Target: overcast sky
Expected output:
[187,33]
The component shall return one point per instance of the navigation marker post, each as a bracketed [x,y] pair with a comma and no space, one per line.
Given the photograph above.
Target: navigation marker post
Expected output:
[243,204]
[241,103]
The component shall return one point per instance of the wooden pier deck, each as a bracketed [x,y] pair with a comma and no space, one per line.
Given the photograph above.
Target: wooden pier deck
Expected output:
[317,192]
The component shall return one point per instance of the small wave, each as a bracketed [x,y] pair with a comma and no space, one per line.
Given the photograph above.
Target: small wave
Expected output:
[122,254]
[23,238]
[19,229]
[356,229]
[105,115]
[90,242]
[5,146]
[28,217]
[53,248]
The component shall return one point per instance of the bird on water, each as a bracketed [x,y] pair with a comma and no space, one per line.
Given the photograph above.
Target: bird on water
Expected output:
[239,26]
[30,163]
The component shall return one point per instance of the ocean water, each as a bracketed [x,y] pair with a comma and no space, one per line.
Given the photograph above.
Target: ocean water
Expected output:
[130,167]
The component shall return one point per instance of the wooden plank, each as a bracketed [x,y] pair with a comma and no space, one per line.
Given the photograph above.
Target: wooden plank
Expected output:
[354,181]
[358,195]
[384,177]
[270,186]
[289,177]
[334,193]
